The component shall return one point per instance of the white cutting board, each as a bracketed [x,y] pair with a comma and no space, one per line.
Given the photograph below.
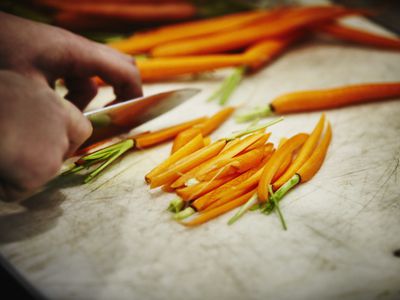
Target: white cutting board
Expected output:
[113,239]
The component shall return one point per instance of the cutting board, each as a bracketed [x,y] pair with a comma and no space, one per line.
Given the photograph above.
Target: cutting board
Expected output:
[114,239]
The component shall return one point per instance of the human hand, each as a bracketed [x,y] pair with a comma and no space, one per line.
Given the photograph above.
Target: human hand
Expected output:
[38,130]
[47,53]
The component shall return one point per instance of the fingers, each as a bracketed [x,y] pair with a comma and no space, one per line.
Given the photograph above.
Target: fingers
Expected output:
[80,90]
[79,128]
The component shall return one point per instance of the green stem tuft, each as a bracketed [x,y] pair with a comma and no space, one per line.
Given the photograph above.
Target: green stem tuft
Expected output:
[243,209]
[254,114]
[176,205]
[187,212]
[252,129]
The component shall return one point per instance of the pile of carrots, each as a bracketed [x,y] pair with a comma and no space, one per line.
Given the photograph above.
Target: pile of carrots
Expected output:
[249,39]
[242,170]
[97,157]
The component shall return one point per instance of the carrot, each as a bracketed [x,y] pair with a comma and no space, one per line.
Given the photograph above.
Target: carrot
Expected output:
[210,165]
[215,121]
[142,42]
[275,162]
[187,163]
[207,141]
[325,99]
[313,164]
[359,36]
[205,200]
[184,137]
[211,214]
[194,191]
[285,164]
[159,136]
[237,164]
[153,69]
[304,154]
[277,24]
[195,144]
[237,187]
[138,12]
[335,97]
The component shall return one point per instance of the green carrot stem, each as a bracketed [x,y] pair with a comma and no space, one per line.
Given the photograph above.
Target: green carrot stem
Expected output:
[176,205]
[278,209]
[124,146]
[253,129]
[187,212]
[236,78]
[255,113]
[243,209]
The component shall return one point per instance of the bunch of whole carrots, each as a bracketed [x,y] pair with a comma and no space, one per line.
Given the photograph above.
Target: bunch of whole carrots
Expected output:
[241,170]
[248,39]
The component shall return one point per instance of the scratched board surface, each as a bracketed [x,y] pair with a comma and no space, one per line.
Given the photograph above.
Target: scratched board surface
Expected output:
[113,239]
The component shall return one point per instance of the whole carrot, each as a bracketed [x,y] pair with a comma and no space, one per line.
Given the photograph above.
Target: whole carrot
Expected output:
[325,99]
[359,36]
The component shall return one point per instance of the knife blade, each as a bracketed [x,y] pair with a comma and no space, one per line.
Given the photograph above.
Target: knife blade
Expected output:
[122,117]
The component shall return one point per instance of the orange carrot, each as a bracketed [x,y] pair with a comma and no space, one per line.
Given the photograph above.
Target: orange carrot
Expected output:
[153,69]
[334,97]
[211,214]
[194,191]
[195,144]
[160,136]
[237,164]
[215,121]
[232,189]
[187,163]
[207,141]
[183,138]
[304,153]
[276,25]
[359,36]
[138,12]
[313,164]
[275,162]
[286,162]
[142,42]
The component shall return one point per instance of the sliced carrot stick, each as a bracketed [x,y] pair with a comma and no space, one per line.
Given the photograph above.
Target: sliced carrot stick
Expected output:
[286,162]
[194,191]
[231,144]
[334,97]
[211,214]
[142,42]
[195,144]
[277,25]
[210,165]
[313,164]
[259,143]
[159,136]
[231,189]
[207,141]
[183,138]
[215,121]
[275,162]
[237,164]
[187,163]
[153,69]
[304,153]
[359,36]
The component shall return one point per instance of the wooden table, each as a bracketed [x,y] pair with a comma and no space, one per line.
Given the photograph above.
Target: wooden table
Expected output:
[113,239]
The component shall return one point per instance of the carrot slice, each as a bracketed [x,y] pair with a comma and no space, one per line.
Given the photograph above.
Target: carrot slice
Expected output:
[359,36]
[194,191]
[313,164]
[187,163]
[195,144]
[275,162]
[286,162]
[183,138]
[160,136]
[304,153]
[211,214]
[215,121]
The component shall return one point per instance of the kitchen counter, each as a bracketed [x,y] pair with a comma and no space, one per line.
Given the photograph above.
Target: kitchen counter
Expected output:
[114,239]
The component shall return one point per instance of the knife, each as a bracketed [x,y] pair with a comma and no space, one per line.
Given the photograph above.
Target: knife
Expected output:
[121,117]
